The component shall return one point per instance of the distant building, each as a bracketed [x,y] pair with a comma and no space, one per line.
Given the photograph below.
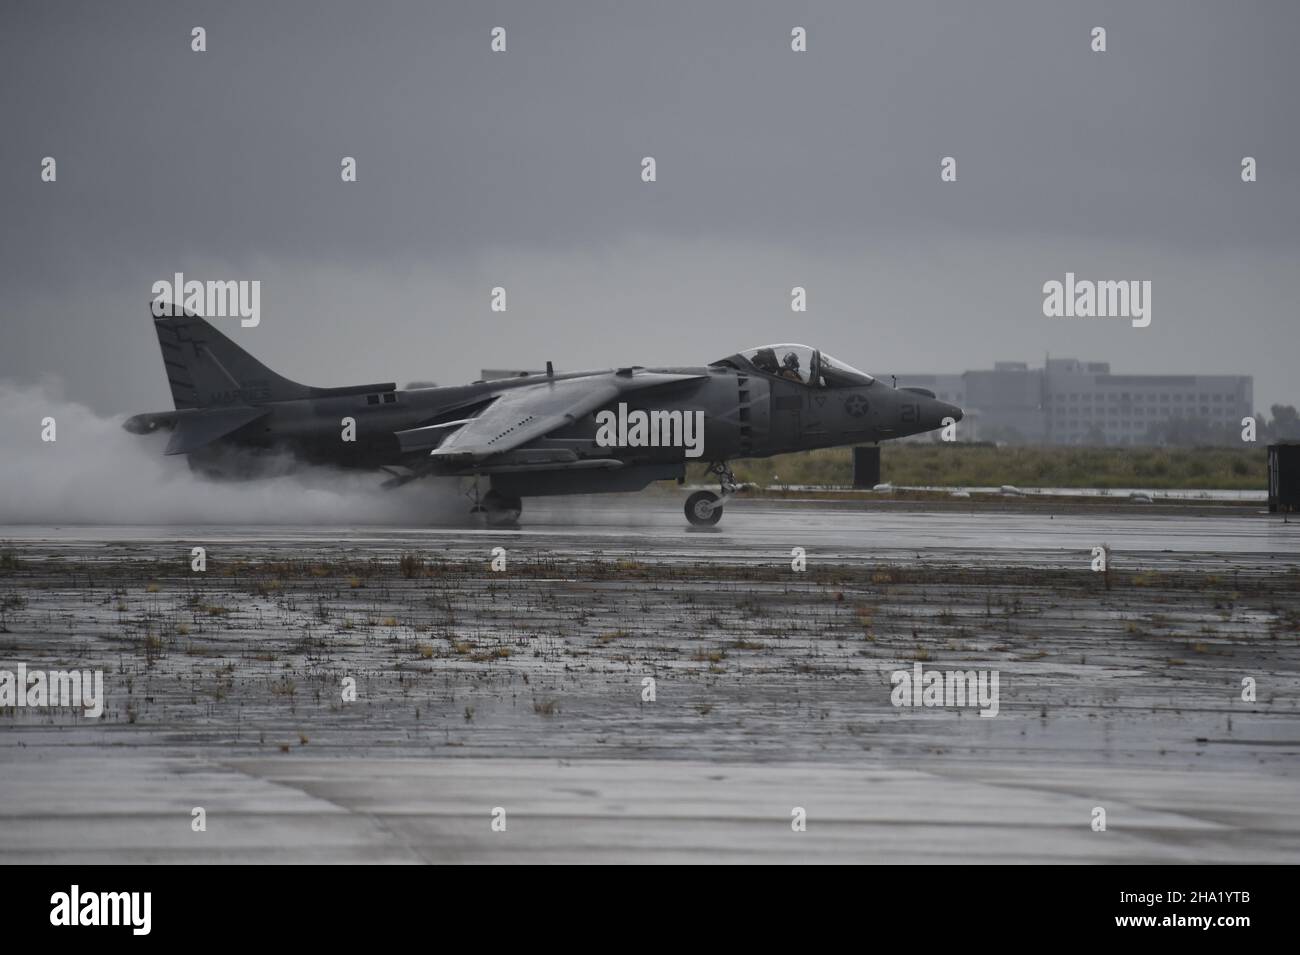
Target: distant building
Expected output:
[1074,402]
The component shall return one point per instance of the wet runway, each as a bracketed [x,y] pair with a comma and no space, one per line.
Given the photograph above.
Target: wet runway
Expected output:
[518,697]
[652,528]
[396,810]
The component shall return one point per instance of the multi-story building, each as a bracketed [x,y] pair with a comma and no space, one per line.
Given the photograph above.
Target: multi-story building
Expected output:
[1074,402]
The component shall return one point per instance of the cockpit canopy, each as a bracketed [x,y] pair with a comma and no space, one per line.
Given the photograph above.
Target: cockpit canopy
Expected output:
[802,364]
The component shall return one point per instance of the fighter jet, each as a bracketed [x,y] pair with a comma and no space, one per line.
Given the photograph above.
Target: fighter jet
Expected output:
[617,429]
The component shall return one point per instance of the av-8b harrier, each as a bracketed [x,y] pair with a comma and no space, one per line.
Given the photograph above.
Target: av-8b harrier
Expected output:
[533,435]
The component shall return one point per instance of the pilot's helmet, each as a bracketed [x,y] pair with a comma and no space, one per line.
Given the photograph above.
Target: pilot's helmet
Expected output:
[791,361]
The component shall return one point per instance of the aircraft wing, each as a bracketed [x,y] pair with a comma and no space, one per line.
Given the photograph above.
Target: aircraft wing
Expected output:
[524,414]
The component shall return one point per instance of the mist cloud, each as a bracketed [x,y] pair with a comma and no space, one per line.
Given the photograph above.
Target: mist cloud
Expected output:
[96,473]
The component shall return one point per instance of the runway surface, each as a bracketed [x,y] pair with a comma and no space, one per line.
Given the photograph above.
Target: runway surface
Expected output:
[652,528]
[518,697]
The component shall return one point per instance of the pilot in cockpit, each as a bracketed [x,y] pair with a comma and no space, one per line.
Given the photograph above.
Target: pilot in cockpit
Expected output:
[790,367]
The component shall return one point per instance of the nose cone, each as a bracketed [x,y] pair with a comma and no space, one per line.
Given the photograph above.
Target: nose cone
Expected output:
[941,413]
[936,414]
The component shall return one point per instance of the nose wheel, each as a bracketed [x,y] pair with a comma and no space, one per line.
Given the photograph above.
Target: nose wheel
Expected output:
[704,508]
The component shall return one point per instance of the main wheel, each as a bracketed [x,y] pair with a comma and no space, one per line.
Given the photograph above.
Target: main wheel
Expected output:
[501,511]
[702,509]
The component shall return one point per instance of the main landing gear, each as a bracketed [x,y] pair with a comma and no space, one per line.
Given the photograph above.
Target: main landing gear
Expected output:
[704,508]
[497,509]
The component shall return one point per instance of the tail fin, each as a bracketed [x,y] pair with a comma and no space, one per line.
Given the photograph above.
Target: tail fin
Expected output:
[206,369]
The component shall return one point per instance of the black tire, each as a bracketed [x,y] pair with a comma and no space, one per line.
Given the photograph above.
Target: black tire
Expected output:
[702,516]
[501,511]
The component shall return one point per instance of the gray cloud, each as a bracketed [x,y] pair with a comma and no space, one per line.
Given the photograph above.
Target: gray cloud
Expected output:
[775,169]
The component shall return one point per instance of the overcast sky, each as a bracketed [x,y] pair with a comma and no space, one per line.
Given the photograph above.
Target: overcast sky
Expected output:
[522,169]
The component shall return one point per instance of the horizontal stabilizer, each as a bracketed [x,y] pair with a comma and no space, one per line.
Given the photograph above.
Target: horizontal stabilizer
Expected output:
[198,428]
[150,422]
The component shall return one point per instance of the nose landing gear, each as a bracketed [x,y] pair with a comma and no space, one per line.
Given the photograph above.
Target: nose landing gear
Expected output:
[704,508]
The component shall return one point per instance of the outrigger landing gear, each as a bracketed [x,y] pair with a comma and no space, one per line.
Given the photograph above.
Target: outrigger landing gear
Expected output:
[704,508]
[497,509]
